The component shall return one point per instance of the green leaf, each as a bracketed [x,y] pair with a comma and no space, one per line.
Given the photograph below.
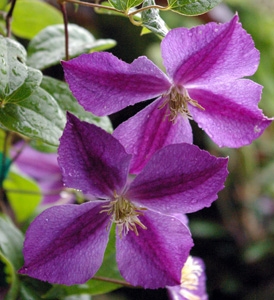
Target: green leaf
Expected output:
[151,19]
[13,72]
[11,242]
[206,229]
[22,203]
[38,116]
[48,47]
[32,82]
[136,17]
[62,94]
[11,278]
[93,287]
[33,289]
[192,7]
[3,3]
[31,16]
[125,5]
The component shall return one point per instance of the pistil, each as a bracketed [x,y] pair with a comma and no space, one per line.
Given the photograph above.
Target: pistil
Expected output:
[124,214]
[176,100]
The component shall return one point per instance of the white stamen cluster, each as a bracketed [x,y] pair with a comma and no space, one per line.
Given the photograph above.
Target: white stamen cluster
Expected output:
[176,101]
[191,273]
[124,214]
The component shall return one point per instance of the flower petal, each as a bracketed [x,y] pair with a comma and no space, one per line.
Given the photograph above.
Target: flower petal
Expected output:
[91,159]
[37,165]
[155,258]
[209,54]
[180,292]
[149,131]
[179,179]
[65,244]
[103,84]
[231,116]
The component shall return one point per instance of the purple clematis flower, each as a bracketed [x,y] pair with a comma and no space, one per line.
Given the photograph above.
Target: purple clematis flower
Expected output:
[193,282]
[204,65]
[66,243]
[44,169]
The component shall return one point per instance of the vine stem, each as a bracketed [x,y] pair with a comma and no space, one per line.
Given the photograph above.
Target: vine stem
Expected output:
[8,18]
[65,17]
[95,5]
[116,281]
[148,7]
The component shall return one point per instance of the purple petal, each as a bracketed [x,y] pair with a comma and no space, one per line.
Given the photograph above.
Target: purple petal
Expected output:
[92,160]
[179,179]
[42,167]
[180,292]
[231,116]
[37,165]
[149,131]
[103,84]
[155,258]
[209,54]
[66,243]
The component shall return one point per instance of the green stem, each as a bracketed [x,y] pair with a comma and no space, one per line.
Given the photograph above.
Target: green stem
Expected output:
[116,281]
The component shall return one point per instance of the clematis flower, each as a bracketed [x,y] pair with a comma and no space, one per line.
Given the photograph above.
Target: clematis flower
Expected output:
[44,169]
[193,282]
[204,65]
[66,243]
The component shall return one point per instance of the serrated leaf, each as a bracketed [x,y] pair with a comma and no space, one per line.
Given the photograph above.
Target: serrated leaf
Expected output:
[192,7]
[22,203]
[13,71]
[47,48]
[38,116]
[31,16]
[151,19]
[136,17]
[93,287]
[125,5]
[32,82]
[62,94]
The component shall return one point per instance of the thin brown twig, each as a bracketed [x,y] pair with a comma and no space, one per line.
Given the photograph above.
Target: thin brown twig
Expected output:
[116,281]
[65,17]
[95,5]
[8,18]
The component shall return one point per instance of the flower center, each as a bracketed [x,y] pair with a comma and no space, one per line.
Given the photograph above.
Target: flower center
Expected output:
[191,273]
[124,214]
[176,101]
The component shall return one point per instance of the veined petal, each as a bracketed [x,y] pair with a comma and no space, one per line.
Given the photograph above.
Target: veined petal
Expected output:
[193,286]
[65,244]
[148,131]
[155,258]
[179,178]
[209,54]
[103,84]
[92,160]
[231,116]
[37,165]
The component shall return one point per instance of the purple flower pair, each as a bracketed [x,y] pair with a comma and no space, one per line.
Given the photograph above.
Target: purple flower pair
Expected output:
[65,244]
[204,65]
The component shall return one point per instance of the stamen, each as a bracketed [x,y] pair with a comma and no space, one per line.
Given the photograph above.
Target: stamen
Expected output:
[191,273]
[176,101]
[124,214]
